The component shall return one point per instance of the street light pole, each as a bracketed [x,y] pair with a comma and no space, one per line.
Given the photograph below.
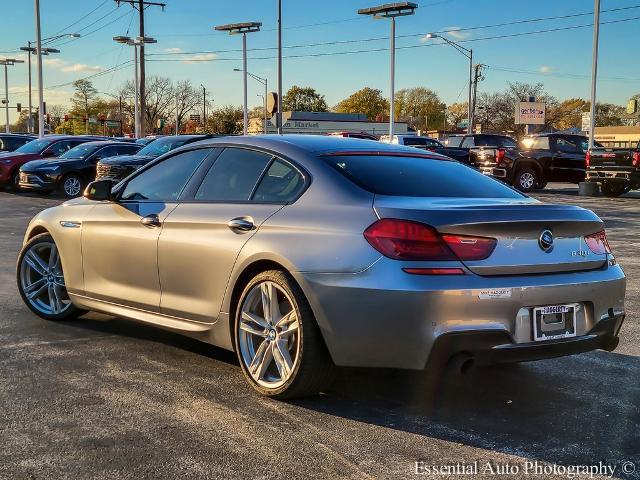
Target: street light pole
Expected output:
[391,10]
[7,62]
[204,109]
[235,29]
[39,61]
[265,83]
[30,120]
[594,70]
[279,112]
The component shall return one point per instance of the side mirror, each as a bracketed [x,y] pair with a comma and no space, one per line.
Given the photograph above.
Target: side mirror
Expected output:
[99,190]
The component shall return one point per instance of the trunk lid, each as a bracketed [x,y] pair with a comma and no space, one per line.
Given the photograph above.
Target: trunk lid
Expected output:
[608,158]
[517,225]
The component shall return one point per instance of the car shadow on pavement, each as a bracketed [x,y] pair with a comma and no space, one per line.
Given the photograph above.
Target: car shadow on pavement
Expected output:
[573,410]
[579,409]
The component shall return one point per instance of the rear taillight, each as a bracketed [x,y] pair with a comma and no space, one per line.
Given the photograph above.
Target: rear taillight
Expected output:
[597,242]
[636,159]
[587,158]
[408,240]
[500,153]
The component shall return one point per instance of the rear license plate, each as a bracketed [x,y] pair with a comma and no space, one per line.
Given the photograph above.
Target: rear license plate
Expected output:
[553,322]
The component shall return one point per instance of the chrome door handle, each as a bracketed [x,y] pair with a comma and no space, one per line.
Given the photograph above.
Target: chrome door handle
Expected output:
[244,224]
[151,220]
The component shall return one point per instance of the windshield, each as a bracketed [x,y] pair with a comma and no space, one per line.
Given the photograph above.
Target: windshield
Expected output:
[417,177]
[81,151]
[34,146]
[161,146]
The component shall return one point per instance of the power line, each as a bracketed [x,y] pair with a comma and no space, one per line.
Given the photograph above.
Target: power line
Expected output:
[382,49]
[85,35]
[411,35]
[79,20]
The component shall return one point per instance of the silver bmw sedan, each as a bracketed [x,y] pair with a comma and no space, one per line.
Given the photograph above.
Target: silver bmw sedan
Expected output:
[302,253]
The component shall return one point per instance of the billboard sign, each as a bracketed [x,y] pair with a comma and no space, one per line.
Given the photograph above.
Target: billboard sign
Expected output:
[530,113]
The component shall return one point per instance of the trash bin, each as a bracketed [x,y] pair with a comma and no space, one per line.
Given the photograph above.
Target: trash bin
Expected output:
[588,189]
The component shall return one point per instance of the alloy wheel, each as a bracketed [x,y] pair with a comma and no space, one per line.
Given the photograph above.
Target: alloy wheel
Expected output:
[527,180]
[42,280]
[269,335]
[72,186]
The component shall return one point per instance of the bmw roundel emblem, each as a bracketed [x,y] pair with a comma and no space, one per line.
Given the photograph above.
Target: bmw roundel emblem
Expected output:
[546,240]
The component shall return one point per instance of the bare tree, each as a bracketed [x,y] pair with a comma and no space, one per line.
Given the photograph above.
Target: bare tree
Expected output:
[159,101]
[186,99]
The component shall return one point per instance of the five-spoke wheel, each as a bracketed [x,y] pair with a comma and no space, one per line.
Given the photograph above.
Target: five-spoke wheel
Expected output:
[278,343]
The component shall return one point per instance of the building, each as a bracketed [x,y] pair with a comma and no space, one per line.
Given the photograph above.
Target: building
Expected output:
[320,123]
[623,137]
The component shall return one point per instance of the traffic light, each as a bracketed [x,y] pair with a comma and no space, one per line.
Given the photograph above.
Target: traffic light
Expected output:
[48,118]
[18,107]
[66,118]
[44,107]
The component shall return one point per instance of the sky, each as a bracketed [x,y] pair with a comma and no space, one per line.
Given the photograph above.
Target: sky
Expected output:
[331,48]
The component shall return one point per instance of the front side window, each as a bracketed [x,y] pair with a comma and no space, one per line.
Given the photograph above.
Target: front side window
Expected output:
[161,146]
[281,184]
[566,145]
[63,146]
[165,181]
[233,176]
[417,177]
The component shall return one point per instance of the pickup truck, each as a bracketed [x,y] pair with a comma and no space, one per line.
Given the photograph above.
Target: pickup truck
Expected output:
[617,170]
[549,157]
[468,144]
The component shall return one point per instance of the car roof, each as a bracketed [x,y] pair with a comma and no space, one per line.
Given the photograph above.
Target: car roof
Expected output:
[100,143]
[312,144]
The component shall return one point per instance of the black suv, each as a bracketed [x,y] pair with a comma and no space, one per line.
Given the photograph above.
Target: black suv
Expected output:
[548,157]
[118,168]
[12,141]
[71,171]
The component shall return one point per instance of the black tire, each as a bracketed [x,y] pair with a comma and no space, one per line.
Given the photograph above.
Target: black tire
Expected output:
[72,180]
[526,179]
[71,312]
[541,184]
[314,371]
[613,189]
[14,182]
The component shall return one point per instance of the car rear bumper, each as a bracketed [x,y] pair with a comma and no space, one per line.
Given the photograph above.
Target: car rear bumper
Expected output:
[494,171]
[598,176]
[383,317]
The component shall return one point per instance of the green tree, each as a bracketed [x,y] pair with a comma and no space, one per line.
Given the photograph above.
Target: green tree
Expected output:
[456,113]
[368,101]
[567,114]
[303,99]
[419,105]
[226,120]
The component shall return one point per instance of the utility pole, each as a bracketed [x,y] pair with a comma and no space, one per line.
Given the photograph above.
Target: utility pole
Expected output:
[141,5]
[594,70]
[476,78]
[177,127]
[279,112]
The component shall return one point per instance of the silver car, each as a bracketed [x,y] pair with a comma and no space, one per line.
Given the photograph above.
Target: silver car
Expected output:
[302,253]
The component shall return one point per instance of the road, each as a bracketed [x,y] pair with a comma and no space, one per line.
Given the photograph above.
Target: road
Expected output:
[107,398]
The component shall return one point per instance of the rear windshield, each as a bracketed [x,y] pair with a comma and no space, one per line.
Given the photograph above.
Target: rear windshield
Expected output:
[417,177]
[412,141]
[454,141]
[495,141]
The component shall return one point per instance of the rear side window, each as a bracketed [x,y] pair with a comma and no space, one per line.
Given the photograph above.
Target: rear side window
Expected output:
[417,177]
[495,141]
[540,143]
[165,181]
[233,176]
[281,184]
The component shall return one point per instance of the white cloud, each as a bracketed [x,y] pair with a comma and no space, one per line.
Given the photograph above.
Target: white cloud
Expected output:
[67,67]
[546,69]
[173,50]
[81,67]
[200,58]
[456,33]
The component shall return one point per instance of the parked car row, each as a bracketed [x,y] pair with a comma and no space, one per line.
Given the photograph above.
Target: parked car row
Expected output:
[66,163]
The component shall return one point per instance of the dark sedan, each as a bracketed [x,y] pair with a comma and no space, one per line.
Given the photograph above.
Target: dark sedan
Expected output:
[73,170]
[12,141]
[117,169]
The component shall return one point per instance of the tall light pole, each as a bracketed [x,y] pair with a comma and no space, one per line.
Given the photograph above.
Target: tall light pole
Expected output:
[137,111]
[265,84]
[594,70]
[7,62]
[243,29]
[391,10]
[279,112]
[467,52]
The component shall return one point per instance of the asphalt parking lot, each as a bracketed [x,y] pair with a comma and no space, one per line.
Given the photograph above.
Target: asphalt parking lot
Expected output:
[107,398]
